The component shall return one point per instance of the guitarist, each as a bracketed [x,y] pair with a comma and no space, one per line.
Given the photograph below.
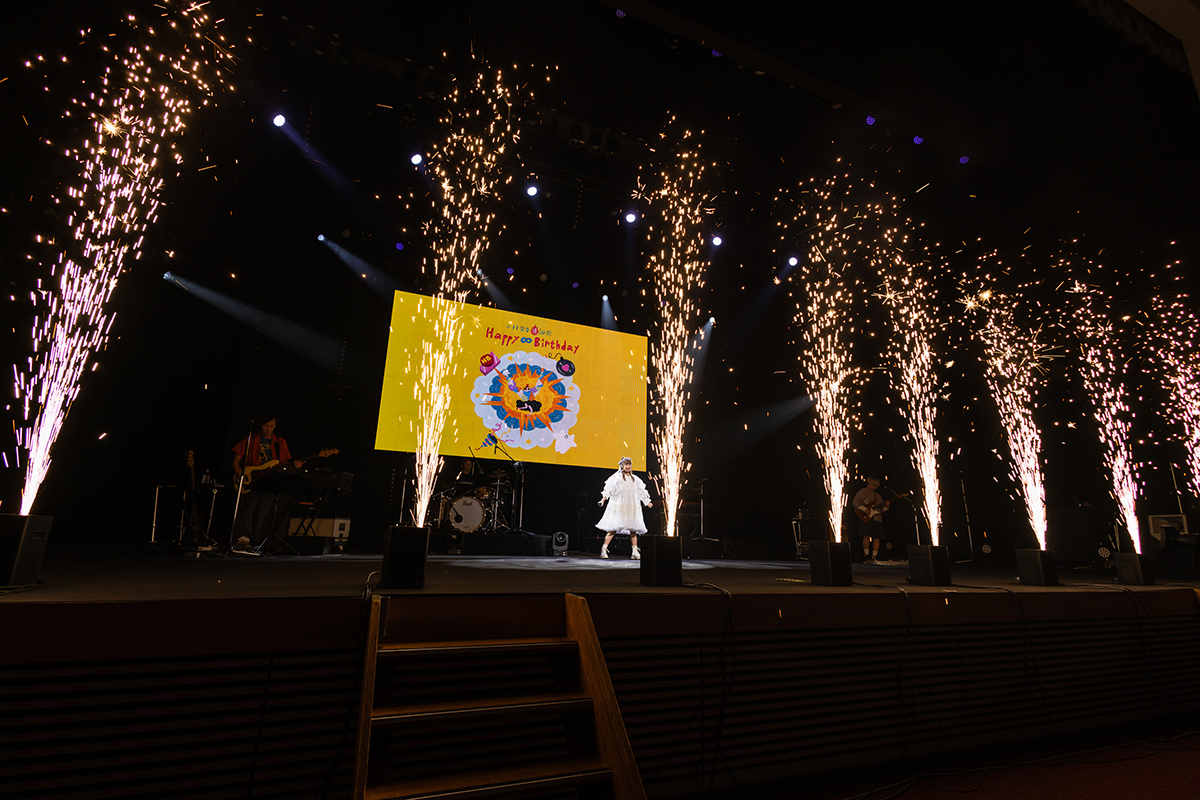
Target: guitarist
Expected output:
[259,510]
[869,506]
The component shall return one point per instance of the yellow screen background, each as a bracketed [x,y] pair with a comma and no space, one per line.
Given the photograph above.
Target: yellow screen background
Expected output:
[594,379]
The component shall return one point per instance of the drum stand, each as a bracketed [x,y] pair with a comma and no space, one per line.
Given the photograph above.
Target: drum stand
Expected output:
[498,522]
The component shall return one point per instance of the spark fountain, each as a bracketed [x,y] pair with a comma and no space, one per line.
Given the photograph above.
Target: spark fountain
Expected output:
[129,124]
[1172,341]
[1013,357]
[912,303]
[467,166]
[1103,367]
[827,216]
[678,271]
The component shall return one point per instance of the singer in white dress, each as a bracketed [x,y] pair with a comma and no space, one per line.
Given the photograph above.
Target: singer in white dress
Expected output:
[626,494]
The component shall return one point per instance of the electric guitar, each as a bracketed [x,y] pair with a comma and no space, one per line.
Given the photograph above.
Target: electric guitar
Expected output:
[253,473]
[872,513]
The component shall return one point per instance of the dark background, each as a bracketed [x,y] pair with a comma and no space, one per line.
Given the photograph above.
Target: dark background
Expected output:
[1073,133]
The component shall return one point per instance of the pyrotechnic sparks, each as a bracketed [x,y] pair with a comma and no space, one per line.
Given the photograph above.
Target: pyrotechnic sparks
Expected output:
[832,296]
[467,167]
[1172,341]
[1012,360]
[135,113]
[1103,367]
[912,304]
[678,271]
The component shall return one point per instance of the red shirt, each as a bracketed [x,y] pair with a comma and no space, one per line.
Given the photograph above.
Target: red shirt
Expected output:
[277,450]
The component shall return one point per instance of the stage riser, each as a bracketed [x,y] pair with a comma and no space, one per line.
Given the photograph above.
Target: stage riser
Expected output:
[222,698]
[799,702]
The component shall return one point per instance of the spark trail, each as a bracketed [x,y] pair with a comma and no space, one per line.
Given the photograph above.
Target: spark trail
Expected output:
[468,168]
[128,125]
[1172,341]
[678,272]
[911,301]
[1013,356]
[830,219]
[1103,367]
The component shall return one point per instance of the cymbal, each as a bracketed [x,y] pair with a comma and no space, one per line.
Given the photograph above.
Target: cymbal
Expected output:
[499,474]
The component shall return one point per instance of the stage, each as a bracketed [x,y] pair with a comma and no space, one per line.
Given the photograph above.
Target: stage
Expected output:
[133,674]
[77,575]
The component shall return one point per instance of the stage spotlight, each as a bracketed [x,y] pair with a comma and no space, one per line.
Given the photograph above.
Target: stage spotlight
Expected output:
[717,240]
[279,120]
[793,261]
[399,245]
[320,237]
[531,191]
[917,140]
[963,160]
[604,298]
[416,159]
[631,218]
[620,14]
[712,320]
[167,276]
[870,120]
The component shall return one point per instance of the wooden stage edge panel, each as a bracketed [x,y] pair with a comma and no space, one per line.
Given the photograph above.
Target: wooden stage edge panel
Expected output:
[204,698]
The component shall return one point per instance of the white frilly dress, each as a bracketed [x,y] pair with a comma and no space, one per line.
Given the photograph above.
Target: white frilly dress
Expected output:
[626,496]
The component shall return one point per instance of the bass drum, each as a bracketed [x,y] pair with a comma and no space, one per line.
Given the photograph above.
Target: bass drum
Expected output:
[466,514]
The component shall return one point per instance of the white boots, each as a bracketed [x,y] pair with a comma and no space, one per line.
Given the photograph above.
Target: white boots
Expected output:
[604,551]
[637,554]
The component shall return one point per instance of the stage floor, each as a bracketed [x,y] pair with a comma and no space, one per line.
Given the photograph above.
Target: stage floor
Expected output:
[76,574]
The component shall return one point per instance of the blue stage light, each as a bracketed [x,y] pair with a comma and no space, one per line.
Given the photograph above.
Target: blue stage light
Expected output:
[963,160]
[717,240]
[620,14]
[510,270]
[870,120]
[416,159]
[631,218]
[531,191]
[167,276]
[320,237]
[917,140]
[279,120]
[604,298]
[399,245]
[793,261]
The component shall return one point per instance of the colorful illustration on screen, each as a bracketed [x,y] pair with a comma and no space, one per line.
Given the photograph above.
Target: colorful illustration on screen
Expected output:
[527,401]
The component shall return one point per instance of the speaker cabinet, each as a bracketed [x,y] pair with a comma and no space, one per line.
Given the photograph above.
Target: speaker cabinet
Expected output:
[829,563]
[404,558]
[1037,567]
[22,545]
[559,543]
[1134,569]
[662,560]
[928,565]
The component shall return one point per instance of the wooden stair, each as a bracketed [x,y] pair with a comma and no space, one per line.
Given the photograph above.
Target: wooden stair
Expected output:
[517,704]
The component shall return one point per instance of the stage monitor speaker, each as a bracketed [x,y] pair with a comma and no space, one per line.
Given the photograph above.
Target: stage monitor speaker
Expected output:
[662,560]
[22,546]
[559,543]
[404,558]
[1134,569]
[829,563]
[1036,567]
[928,565]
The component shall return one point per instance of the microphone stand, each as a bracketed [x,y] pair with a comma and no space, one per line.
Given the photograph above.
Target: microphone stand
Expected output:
[519,466]
[237,497]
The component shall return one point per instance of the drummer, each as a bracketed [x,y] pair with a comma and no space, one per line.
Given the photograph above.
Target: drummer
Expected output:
[467,482]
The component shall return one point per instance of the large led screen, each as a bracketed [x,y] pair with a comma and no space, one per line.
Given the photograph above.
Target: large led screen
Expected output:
[543,390]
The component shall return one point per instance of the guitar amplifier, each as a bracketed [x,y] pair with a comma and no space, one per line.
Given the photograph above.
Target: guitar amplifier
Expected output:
[336,528]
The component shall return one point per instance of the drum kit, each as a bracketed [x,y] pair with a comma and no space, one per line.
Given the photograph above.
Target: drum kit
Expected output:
[480,511]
